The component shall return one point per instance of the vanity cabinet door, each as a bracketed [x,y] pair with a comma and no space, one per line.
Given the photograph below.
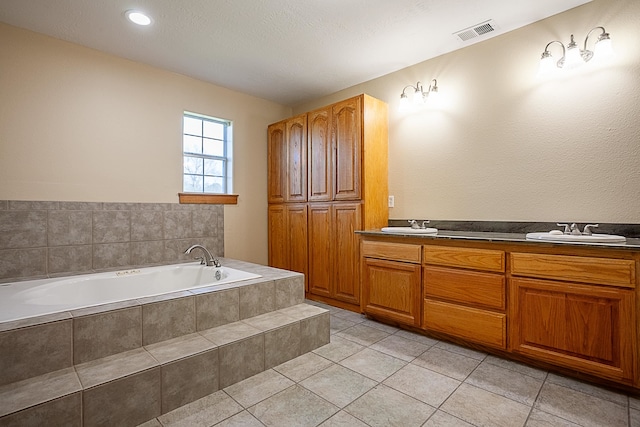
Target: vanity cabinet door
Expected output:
[586,327]
[391,289]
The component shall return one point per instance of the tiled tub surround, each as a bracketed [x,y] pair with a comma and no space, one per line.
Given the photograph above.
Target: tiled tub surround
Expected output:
[52,239]
[125,363]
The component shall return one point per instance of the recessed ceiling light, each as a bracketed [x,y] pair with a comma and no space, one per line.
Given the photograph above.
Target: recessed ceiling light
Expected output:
[138,17]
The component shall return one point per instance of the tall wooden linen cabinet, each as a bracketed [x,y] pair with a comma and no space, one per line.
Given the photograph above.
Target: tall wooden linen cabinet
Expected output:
[327,178]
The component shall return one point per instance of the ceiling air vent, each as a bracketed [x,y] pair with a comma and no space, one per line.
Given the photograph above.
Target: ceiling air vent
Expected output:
[476,30]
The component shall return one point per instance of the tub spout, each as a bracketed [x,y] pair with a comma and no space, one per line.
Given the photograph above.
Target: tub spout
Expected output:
[208,259]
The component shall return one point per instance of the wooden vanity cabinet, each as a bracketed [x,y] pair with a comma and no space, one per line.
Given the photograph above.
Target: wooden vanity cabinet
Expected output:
[464,293]
[391,278]
[574,311]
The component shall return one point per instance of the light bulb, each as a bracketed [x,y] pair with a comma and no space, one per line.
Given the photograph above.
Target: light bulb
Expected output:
[138,17]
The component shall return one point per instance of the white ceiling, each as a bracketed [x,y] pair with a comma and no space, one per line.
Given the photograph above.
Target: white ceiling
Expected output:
[287,51]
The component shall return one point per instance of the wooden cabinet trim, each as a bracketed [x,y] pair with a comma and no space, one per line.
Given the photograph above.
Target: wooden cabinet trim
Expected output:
[477,259]
[602,271]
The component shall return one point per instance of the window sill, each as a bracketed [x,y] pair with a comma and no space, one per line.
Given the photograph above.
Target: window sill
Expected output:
[208,199]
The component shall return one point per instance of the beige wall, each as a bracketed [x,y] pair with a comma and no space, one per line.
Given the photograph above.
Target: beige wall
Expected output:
[80,125]
[506,145]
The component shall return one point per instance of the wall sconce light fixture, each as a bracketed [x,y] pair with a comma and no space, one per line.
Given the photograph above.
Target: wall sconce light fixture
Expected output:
[419,96]
[573,56]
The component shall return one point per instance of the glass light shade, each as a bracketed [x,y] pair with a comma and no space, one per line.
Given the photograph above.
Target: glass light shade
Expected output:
[138,18]
[603,50]
[418,97]
[572,58]
[547,65]
[433,97]
[404,105]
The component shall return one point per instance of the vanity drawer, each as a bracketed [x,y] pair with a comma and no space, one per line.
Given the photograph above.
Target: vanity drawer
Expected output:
[477,259]
[480,326]
[392,251]
[602,271]
[470,287]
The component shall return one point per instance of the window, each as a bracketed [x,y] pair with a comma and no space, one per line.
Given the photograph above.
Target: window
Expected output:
[207,162]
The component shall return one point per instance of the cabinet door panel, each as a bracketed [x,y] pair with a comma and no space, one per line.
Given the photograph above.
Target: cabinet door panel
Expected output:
[347,219]
[392,289]
[347,142]
[320,260]
[276,163]
[297,229]
[540,313]
[591,323]
[278,253]
[319,143]
[296,137]
[585,327]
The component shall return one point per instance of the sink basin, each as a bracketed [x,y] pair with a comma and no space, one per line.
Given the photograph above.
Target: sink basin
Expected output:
[409,230]
[571,238]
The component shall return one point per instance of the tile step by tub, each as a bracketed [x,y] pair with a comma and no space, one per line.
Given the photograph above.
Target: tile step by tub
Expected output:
[137,385]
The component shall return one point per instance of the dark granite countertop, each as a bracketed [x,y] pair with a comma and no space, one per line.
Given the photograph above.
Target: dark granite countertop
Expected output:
[490,236]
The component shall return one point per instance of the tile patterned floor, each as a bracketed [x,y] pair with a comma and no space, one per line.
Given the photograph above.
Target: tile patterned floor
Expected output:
[373,374]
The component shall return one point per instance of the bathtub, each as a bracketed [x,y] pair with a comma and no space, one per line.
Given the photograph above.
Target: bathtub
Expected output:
[21,300]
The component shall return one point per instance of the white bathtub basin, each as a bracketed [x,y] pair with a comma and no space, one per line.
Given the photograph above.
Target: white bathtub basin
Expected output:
[20,300]
[571,238]
[409,230]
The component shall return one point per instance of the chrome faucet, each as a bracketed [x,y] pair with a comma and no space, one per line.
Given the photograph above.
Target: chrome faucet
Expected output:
[574,230]
[208,259]
[414,224]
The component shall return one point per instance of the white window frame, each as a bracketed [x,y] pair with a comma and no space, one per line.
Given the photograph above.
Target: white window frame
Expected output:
[226,158]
